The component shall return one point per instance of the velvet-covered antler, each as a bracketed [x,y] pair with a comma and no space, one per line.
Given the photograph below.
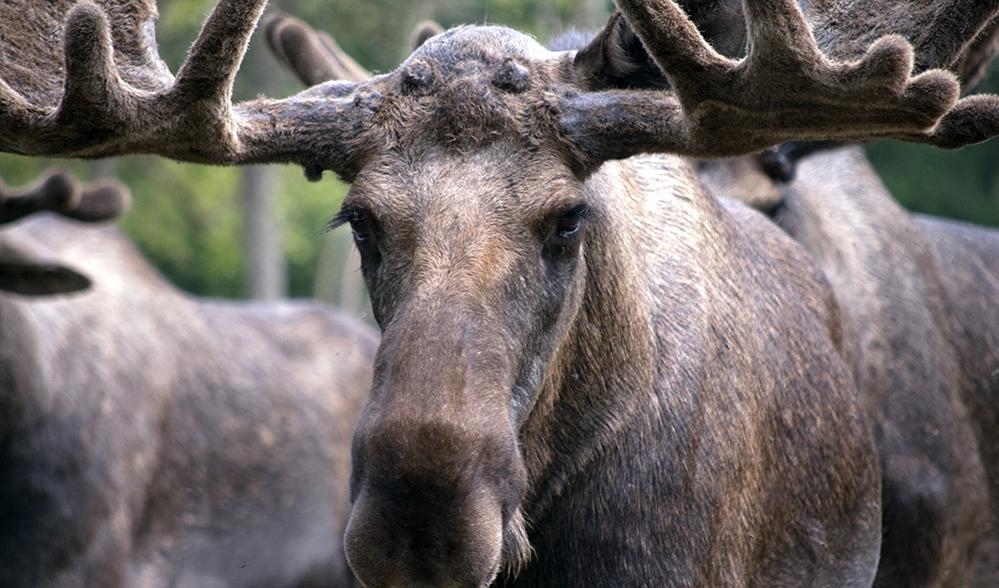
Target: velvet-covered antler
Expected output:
[313,56]
[59,192]
[105,92]
[785,87]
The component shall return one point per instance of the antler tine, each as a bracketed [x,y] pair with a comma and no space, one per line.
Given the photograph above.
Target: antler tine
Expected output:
[975,61]
[974,119]
[960,35]
[118,98]
[93,92]
[355,72]
[784,53]
[940,30]
[103,200]
[59,192]
[312,56]
[423,32]
[210,69]
[676,44]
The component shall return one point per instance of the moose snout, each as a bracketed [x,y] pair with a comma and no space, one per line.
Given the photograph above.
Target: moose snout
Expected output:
[430,503]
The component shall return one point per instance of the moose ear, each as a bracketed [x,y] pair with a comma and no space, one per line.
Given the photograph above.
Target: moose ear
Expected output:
[24,273]
[616,59]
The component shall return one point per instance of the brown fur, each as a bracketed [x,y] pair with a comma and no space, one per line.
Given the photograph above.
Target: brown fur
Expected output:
[907,363]
[148,438]
[605,392]
[414,462]
[967,258]
[599,359]
[904,317]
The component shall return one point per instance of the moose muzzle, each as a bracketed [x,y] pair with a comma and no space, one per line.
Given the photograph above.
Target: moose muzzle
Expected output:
[437,474]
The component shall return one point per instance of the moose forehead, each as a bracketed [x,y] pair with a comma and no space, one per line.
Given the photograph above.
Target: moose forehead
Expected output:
[466,89]
[497,184]
[486,44]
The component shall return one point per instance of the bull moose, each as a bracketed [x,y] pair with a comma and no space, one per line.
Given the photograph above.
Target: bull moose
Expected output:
[920,344]
[590,370]
[153,439]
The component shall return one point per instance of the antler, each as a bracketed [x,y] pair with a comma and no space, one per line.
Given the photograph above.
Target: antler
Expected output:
[940,31]
[117,98]
[785,88]
[315,57]
[59,192]
[107,93]
[311,55]
[975,60]
[423,32]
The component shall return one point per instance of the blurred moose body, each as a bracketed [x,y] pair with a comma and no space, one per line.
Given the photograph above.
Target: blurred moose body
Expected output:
[588,369]
[919,296]
[152,439]
[908,290]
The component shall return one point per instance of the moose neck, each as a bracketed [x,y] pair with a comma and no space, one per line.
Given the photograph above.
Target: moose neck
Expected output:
[606,361]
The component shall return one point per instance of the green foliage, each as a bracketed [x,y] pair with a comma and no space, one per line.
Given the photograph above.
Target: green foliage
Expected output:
[961,184]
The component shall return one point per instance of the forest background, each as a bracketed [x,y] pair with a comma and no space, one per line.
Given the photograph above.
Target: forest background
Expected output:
[260,232]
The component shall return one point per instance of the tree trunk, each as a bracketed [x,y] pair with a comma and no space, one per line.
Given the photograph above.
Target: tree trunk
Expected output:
[263,251]
[264,255]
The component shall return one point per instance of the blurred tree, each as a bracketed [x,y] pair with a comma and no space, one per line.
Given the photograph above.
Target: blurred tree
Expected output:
[261,227]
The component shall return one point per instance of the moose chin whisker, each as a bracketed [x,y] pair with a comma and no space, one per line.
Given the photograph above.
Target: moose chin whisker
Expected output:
[517,550]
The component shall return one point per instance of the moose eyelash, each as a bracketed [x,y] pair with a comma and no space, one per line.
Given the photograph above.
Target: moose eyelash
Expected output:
[346,215]
[581,211]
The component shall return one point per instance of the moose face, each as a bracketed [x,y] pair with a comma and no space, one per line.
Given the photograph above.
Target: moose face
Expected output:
[471,231]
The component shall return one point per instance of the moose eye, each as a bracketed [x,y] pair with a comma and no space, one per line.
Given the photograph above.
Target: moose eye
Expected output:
[565,229]
[360,232]
[569,222]
[361,224]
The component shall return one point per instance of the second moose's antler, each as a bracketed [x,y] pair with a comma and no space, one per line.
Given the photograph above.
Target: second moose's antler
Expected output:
[59,192]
